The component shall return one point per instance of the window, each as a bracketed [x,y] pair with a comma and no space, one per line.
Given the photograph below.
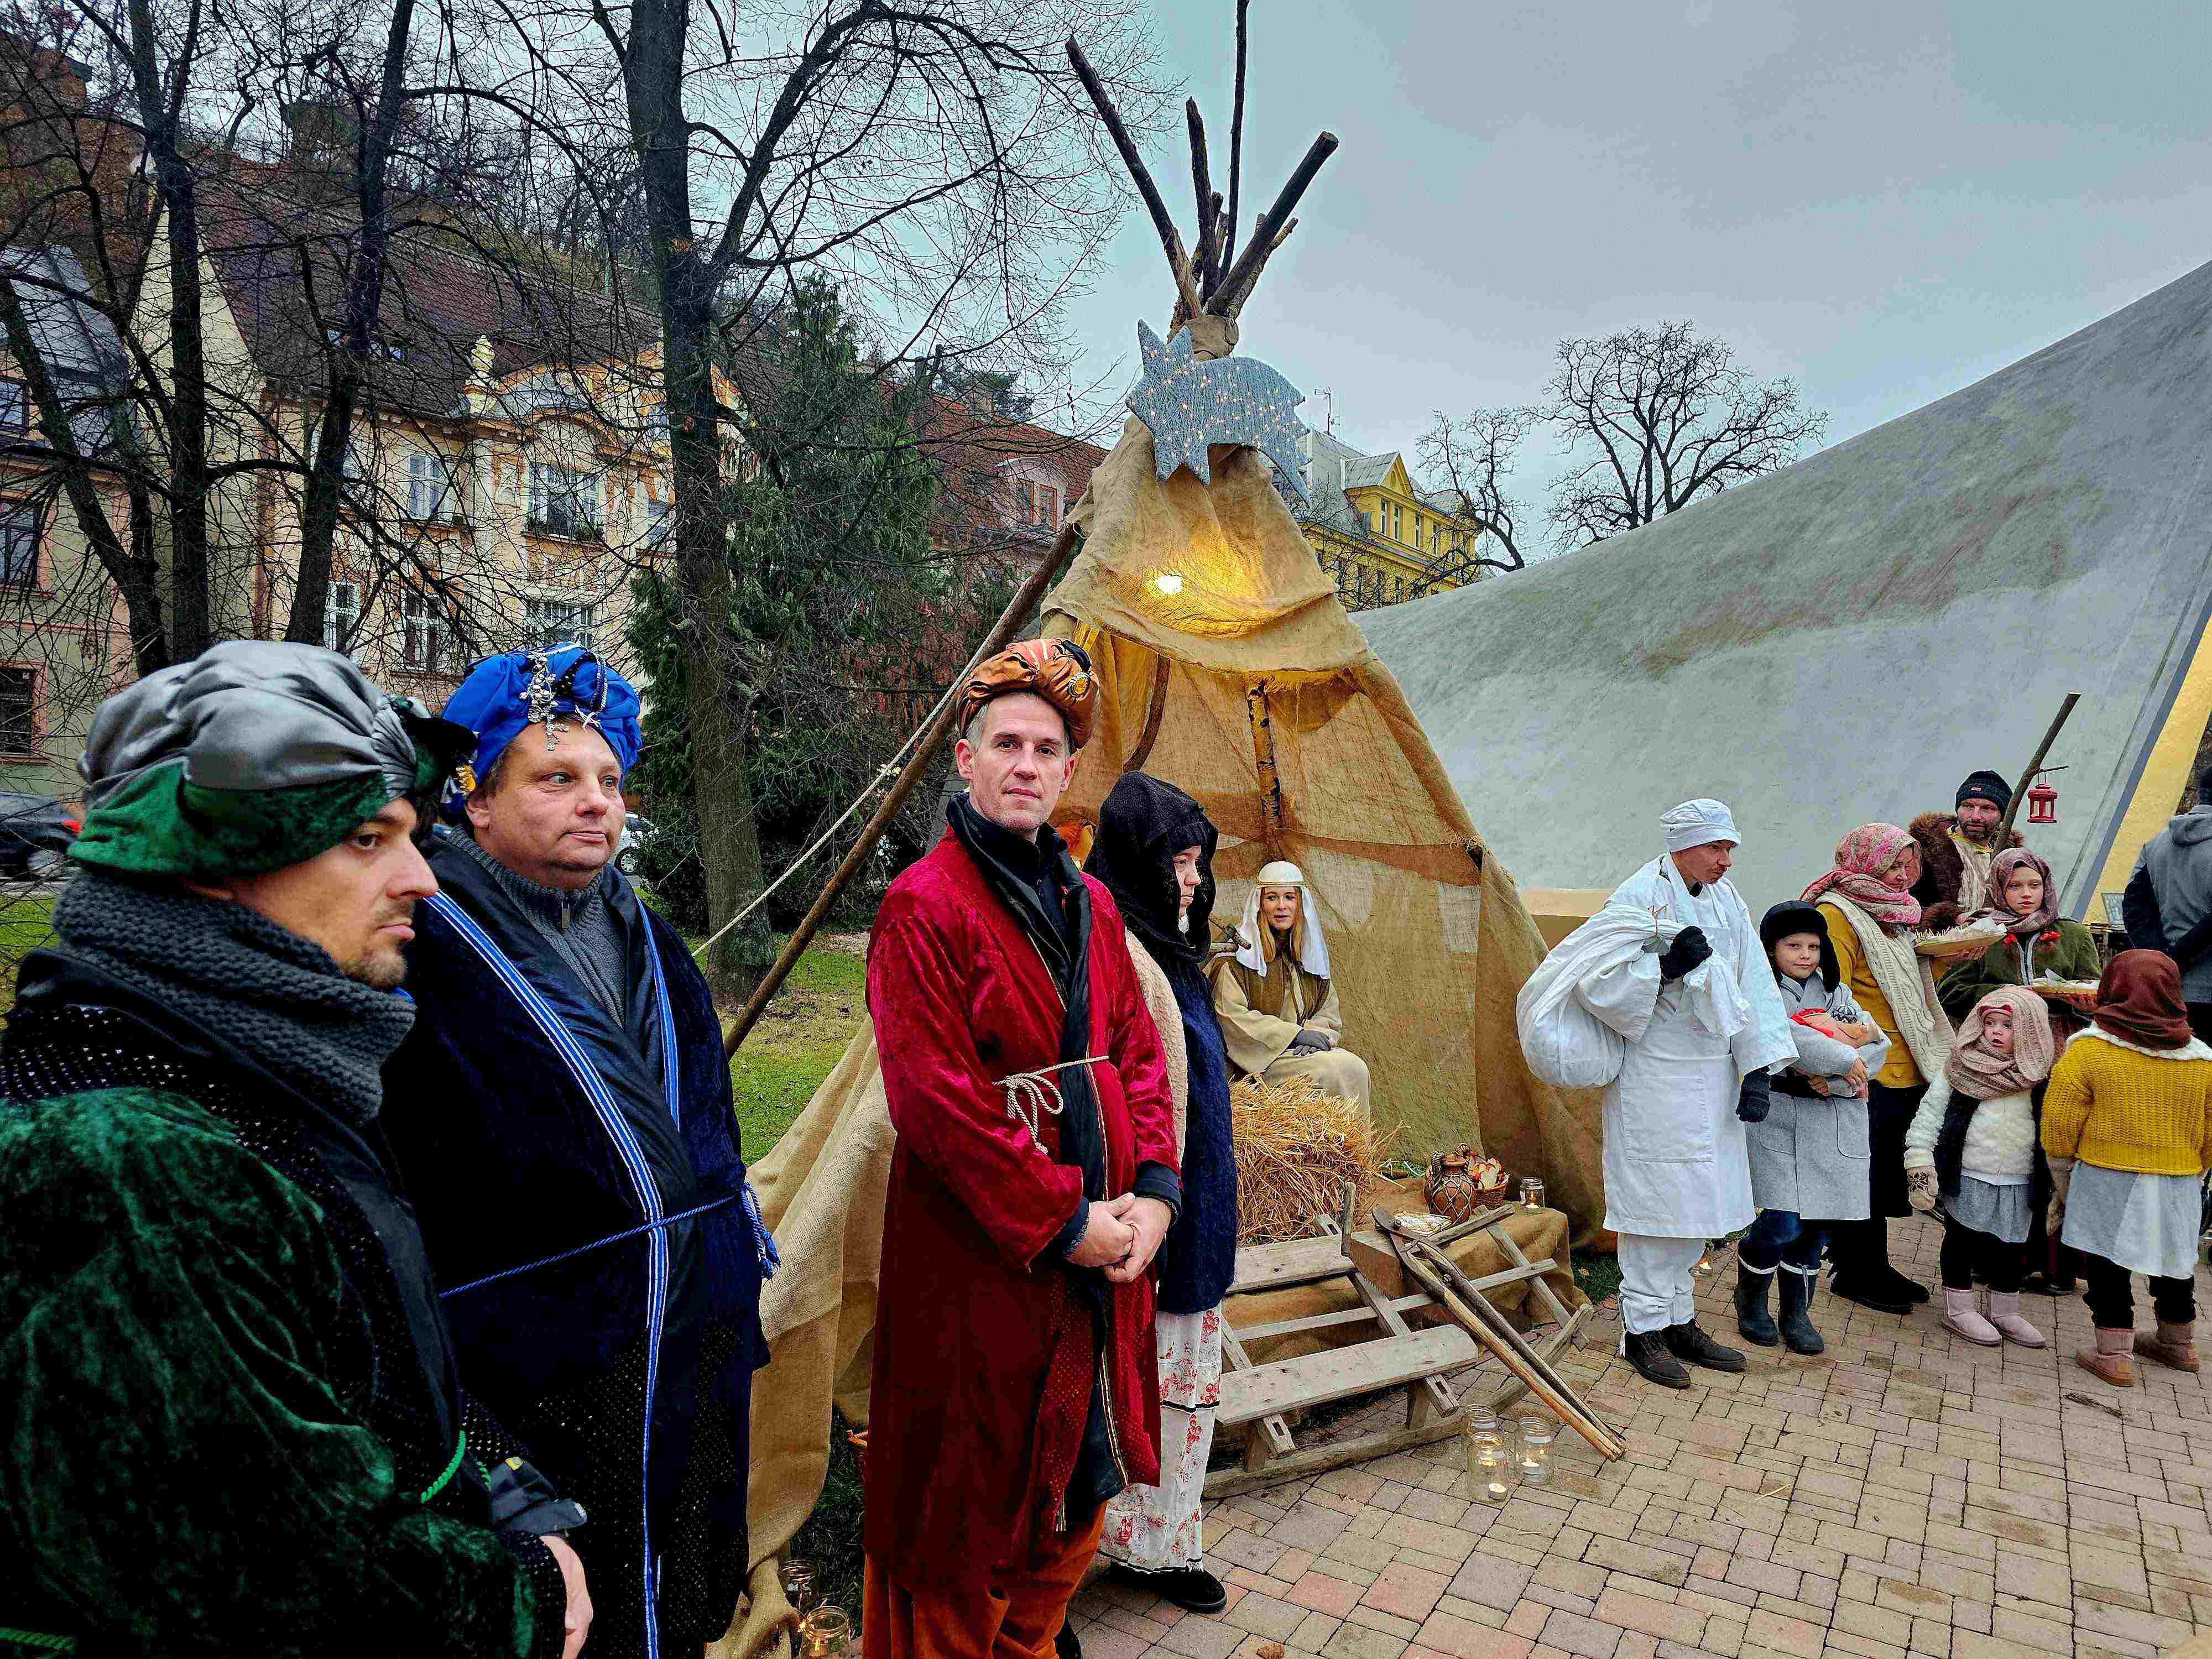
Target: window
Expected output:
[427,643]
[659,523]
[1025,501]
[563,502]
[14,407]
[19,544]
[549,622]
[1398,523]
[1048,506]
[430,492]
[19,711]
[340,615]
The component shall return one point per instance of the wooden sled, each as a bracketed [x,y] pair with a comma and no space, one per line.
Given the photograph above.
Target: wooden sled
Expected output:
[1410,1353]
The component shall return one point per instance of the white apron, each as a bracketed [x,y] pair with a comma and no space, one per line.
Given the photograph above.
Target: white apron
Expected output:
[1675,1159]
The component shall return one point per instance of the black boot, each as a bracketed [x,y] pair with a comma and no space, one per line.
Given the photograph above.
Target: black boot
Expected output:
[1064,1645]
[1191,1589]
[1753,1322]
[1860,1250]
[1796,1296]
[1647,1351]
[1687,1341]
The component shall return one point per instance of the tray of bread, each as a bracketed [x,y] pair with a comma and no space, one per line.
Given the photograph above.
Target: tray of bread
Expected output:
[1969,939]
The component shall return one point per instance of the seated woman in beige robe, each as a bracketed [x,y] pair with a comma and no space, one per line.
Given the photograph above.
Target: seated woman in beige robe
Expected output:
[1277,1004]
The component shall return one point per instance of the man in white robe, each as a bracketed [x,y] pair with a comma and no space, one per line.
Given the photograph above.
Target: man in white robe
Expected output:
[1702,1022]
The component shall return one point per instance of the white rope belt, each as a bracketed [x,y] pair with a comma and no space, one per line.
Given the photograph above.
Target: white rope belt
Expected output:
[1025,1096]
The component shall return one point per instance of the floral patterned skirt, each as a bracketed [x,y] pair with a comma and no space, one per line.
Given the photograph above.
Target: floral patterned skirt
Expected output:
[1155,1528]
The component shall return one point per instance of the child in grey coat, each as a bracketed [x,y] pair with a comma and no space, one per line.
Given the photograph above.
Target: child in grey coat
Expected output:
[1811,1157]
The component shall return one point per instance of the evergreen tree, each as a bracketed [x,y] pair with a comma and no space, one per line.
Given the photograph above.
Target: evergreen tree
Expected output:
[834,589]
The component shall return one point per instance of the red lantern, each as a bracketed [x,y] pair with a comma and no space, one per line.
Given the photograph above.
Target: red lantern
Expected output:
[2043,805]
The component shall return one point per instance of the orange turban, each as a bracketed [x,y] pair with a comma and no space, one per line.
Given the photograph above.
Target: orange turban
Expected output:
[1056,669]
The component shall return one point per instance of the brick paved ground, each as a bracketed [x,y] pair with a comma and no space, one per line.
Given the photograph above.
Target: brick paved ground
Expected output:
[1905,1493]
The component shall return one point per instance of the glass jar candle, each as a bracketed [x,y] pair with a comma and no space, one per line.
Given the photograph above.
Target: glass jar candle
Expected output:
[1489,1460]
[825,1633]
[1535,1451]
[1532,1193]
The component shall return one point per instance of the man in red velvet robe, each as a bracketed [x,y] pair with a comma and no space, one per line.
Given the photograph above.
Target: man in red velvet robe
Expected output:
[1014,1387]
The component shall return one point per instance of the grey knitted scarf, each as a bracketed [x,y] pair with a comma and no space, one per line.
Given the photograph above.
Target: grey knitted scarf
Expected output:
[250,985]
[580,925]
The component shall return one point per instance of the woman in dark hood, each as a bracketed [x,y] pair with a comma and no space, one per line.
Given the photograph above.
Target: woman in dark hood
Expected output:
[1154,854]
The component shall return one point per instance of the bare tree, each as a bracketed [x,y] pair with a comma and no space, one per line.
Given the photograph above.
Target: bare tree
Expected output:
[1656,417]
[1471,460]
[924,155]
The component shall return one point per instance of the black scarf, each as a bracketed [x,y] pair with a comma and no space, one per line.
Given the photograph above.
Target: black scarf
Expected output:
[244,981]
[1143,824]
[1039,883]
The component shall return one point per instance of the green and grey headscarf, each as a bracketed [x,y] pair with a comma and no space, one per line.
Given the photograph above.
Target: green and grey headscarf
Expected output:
[256,755]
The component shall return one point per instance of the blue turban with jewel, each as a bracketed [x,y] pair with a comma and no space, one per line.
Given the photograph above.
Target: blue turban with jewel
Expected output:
[565,685]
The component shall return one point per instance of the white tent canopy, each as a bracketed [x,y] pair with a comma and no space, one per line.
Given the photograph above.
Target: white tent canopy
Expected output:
[1843,641]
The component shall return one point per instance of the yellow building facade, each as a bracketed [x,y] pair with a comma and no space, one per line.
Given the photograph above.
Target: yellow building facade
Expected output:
[1382,539]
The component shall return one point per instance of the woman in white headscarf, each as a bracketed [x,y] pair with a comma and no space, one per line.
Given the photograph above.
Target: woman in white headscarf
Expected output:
[1277,1004]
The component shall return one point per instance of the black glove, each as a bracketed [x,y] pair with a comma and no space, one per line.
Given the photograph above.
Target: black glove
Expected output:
[1690,948]
[1751,1102]
[1309,1042]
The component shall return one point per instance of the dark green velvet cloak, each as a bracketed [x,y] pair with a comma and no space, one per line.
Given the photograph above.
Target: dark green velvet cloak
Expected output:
[185,1372]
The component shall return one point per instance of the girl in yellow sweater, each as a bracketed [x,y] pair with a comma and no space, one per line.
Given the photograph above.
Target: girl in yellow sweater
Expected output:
[2127,1128]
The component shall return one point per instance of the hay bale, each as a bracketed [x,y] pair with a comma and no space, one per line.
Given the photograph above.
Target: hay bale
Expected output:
[1295,1147]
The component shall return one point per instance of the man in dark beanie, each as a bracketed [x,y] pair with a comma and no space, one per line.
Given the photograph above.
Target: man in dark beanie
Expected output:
[2168,904]
[229,1421]
[1957,848]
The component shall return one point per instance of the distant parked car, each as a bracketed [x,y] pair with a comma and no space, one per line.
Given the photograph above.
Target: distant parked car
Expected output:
[36,832]
[636,831]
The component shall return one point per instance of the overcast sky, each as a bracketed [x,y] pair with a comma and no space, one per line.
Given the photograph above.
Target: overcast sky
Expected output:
[1884,200]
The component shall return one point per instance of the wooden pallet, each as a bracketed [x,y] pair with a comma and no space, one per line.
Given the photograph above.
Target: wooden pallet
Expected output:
[1399,1355]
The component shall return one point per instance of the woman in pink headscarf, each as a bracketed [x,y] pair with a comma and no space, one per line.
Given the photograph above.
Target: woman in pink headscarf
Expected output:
[1866,900]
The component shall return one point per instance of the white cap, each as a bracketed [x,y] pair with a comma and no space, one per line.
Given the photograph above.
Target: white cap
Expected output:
[1697,823]
[1280,873]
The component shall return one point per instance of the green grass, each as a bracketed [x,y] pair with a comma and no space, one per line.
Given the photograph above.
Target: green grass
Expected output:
[25,924]
[829,1541]
[801,1034]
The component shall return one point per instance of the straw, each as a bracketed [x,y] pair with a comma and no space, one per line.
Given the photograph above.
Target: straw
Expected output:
[1295,1147]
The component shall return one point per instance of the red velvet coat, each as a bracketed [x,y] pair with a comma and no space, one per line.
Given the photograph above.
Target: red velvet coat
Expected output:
[968,1453]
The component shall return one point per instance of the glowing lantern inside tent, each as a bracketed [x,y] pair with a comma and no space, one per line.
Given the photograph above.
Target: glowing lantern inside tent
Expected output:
[1170,583]
[2043,805]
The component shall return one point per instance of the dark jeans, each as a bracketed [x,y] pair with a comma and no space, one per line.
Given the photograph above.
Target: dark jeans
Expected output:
[2001,1263]
[2112,1304]
[1780,1235]
[1889,1115]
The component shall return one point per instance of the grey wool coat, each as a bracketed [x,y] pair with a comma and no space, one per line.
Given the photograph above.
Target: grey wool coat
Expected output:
[1812,1156]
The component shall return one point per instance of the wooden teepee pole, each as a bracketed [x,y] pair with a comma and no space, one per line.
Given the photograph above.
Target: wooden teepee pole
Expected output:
[925,756]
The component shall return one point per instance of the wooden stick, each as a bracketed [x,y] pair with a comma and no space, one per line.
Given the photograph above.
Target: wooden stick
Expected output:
[1568,1409]
[1236,148]
[1471,1292]
[2035,766]
[1246,270]
[1201,186]
[1171,240]
[1488,1327]
[925,755]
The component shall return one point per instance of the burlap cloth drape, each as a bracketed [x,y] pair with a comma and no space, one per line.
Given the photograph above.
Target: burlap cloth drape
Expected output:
[1227,666]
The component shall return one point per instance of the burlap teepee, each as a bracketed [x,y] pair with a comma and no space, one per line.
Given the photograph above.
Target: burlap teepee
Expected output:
[1227,666]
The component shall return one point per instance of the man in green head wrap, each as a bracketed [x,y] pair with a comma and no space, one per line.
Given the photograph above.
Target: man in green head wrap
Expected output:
[229,1422]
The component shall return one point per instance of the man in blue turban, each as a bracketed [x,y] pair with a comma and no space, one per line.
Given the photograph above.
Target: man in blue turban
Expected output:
[562,1113]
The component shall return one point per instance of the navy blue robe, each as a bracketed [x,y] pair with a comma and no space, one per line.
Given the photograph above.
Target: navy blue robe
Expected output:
[529,1126]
